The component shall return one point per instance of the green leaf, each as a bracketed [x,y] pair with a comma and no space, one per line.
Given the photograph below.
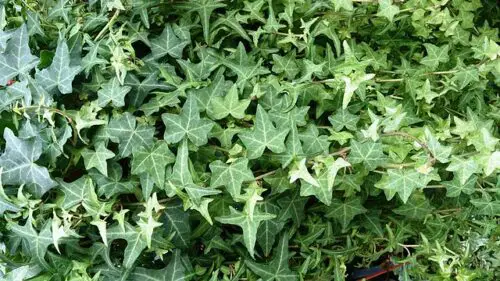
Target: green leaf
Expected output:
[462,168]
[231,176]
[269,229]
[60,11]
[60,74]
[153,161]
[17,58]
[440,152]
[287,64]
[292,206]
[18,163]
[76,192]
[123,129]
[486,207]
[97,159]
[180,173]
[387,10]
[454,188]
[312,142]
[187,123]
[264,135]
[351,85]
[293,148]
[136,242]
[343,119]
[171,42]
[402,182]
[36,243]
[229,105]
[345,211]
[176,222]
[112,92]
[277,269]
[417,207]
[345,4]
[5,202]
[321,191]
[249,223]
[204,9]
[112,184]
[175,271]
[435,55]
[369,153]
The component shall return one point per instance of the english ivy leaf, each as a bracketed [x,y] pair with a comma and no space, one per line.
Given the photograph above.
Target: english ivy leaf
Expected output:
[293,148]
[322,191]
[187,123]
[440,152]
[112,184]
[180,173]
[97,158]
[130,136]
[401,181]
[343,118]
[225,135]
[171,42]
[454,187]
[387,10]
[249,223]
[153,161]
[18,163]
[229,105]
[312,142]
[286,64]
[266,234]
[33,24]
[204,8]
[5,202]
[176,222]
[175,271]
[292,206]
[345,4]
[264,135]
[112,92]
[417,207]
[369,153]
[231,176]
[435,55]
[344,211]
[351,85]
[277,269]
[17,58]
[60,11]
[91,59]
[136,242]
[486,207]
[76,192]
[36,243]
[60,74]
[462,168]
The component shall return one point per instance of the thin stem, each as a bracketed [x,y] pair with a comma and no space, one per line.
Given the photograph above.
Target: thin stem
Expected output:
[435,186]
[108,25]
[266,174]
[343,151]
[421,144]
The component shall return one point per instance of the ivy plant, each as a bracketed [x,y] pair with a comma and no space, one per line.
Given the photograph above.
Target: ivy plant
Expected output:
[249,140]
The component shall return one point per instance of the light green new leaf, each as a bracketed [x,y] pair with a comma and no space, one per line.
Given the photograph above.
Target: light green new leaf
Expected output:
[17,58]
[97,158]
[187,123]
[18,163]
[400,181]
[462,168]
[5,202]
[345,4]
[123,130]
[369,153]
[277,269]
[435,55]
[231,176]
[322,191]
[153,161]
[60,74]
[229,105]
[171,41]
[454,188]
[263,135]
[351,85]
[112,92]
[249,223]
[344,212]
[300,171]
[136,242]
[387,10]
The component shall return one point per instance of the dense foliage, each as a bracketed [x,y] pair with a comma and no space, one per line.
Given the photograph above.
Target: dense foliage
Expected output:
[237,140]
